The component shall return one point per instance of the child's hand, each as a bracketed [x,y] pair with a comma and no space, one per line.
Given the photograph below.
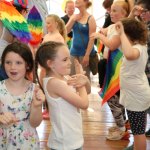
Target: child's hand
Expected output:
[136,11]
[8,118]
[119,28]
[78,67]
[38,97]
[78,80]
[75,17]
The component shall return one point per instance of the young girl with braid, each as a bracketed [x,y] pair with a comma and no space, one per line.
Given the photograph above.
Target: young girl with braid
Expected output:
[61,94]
[56,32]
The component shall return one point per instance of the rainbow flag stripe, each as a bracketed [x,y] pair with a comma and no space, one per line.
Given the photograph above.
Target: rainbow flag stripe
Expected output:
[111,81]
[35,26]
[14,22]
[99,46]
[69,41]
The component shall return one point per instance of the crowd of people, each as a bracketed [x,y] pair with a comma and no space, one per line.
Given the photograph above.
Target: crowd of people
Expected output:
[62,57]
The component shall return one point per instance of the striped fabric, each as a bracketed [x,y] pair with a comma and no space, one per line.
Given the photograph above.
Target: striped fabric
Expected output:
[111,81]
[14,22]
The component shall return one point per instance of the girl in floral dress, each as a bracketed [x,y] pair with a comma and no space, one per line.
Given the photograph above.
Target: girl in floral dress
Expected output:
[20,101]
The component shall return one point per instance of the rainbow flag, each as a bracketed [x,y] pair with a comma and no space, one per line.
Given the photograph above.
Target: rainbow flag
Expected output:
[111,81]
[14,22]
[69,41]
[99,46]
[35,26]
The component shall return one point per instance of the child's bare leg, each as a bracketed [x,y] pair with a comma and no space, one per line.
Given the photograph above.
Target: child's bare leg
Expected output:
[140,142]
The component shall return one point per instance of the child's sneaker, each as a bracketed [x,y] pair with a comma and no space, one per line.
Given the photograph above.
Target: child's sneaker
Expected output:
[118,135]
[113,129]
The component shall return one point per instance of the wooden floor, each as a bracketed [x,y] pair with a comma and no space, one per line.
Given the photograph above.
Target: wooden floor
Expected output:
[96,121]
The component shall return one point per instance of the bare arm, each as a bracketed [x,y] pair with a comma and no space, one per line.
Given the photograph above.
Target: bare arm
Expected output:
[129,52]
[112,43]
[79,79]
[71,22]
[136,11]
[131,4]
[55,87]
[92,29]
[36,108]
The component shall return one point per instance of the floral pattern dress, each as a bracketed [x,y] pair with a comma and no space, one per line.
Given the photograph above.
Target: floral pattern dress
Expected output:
[18,136]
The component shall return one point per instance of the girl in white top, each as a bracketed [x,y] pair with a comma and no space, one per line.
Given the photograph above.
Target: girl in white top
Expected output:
[111,40]
[134,87]
[56,32]
[63,101]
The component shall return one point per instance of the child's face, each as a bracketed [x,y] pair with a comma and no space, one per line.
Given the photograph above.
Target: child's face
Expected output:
[51,24]
[62,63]
[117,13]
[15,66]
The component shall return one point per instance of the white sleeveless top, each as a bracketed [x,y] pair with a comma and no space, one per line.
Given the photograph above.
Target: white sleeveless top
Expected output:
[66,121]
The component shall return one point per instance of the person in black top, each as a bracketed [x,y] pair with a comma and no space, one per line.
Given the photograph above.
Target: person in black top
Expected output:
[69,10]
[102,63]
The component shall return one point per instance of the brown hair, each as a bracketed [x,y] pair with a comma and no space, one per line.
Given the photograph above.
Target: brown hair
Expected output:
[107,3]
[47,51]
[89,4]
[135,30]
[23,51]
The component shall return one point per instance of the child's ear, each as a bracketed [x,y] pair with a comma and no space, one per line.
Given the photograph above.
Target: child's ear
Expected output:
[49,64]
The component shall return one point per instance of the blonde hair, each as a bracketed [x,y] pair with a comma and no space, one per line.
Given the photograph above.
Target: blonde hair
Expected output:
[61,25]
[124,4]
[67,2]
